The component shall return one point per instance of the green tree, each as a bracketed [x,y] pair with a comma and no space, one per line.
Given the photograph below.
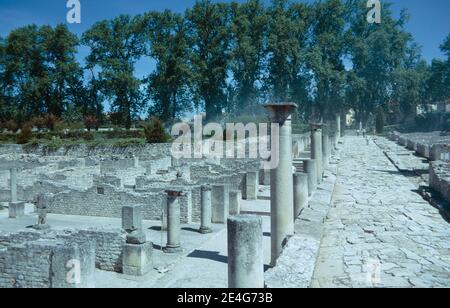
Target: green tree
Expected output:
[209,33]
[409,83]
[325,58]
[283,49]
[115,46]
[40,72]
[248,29]
[168,84]
[438,84]
[376,52]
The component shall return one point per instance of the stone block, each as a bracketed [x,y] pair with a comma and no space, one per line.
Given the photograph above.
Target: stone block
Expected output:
[16,209]
[137,259]
[132,218]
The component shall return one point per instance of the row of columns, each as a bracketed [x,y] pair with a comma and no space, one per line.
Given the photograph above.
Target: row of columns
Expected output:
[289,194]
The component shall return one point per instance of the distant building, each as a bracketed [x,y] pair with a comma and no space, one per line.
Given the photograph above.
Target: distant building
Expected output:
[444,106]
[426,108]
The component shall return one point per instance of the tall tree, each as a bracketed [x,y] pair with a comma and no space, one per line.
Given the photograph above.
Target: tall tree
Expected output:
[326,57]
[438,84]
[64,72]
[376,51]
[282,50]
[168,84]
[40,70]
[115,46]
[209,32]
[248,29]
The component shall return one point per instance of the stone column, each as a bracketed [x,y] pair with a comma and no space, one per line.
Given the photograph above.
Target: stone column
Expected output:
[281,180]
[173,222]
[251,186]
[326,151]
[235,202]
[338,126]
[13,184]
[245,252]
[264,176]
[220,199]
[316,149]
[310,168]
[300,193]
[205,226]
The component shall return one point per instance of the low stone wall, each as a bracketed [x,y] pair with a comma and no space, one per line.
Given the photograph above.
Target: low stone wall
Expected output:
[107,201]
[440,178]
[31,259]
[34,260]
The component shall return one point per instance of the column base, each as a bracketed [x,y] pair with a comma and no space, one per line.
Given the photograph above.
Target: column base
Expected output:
[41,227]
[172,249]
[205,230]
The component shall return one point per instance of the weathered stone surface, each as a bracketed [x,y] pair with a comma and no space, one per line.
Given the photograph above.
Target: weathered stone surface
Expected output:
[378,232]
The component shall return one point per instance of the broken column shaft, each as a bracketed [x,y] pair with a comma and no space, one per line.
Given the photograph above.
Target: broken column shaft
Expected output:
[206,209]
[245,252]
[300,193]
[316,149]
[310,168]
[13,184]
[326,150]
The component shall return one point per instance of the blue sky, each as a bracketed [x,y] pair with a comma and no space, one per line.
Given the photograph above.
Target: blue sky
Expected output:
[429,23]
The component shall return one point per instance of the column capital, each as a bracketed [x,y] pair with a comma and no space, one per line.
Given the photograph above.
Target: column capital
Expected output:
[315,126]
[174,193]
[280,112]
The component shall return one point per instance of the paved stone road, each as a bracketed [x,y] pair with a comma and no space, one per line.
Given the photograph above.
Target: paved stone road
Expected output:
[379,232]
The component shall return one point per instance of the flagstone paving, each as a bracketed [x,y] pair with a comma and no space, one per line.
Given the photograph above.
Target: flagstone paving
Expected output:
[379,232]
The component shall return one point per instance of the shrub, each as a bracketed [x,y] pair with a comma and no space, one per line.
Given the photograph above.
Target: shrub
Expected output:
[88,136]
[25,134]
[50,121]
[54,144]
[154,131]
[91,122]
[38,122]
[120,134]
[11,125]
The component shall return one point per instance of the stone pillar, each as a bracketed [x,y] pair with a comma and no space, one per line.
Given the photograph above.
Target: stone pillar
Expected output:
[251,186]
[326,151]
[137,252]
[281,180]
[16,209]
[338,126]
[310,168]
[245,252]
[41,209]
[264,177]
[300,193]
[316,149]
[13,184]
[205,226]
[235,202]
[173,222]
[220,200]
